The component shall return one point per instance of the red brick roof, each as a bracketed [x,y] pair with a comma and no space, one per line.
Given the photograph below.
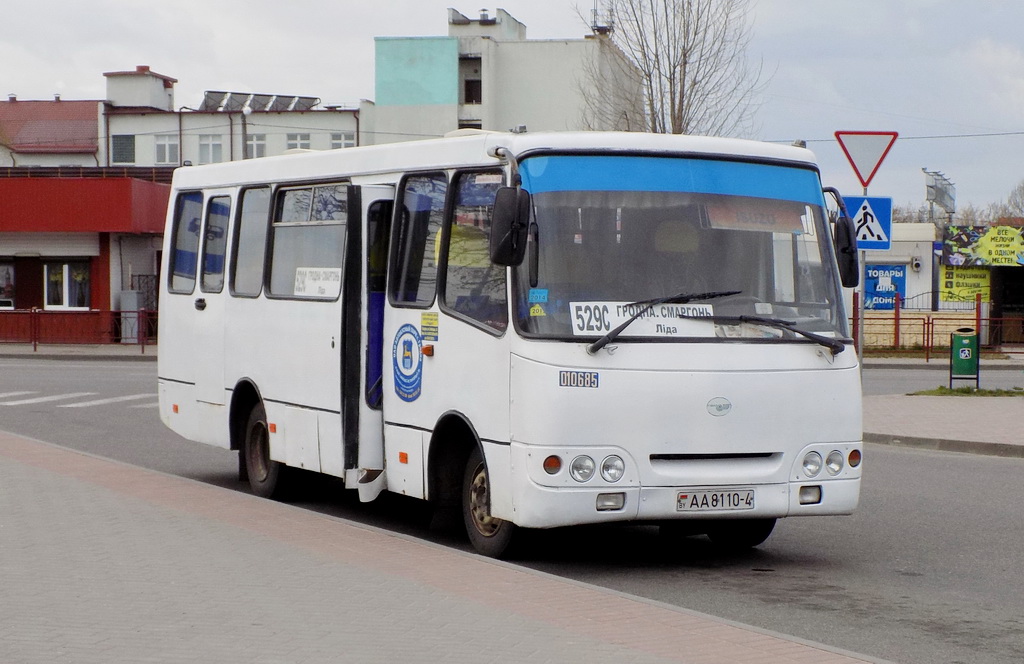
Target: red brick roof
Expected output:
[50,127]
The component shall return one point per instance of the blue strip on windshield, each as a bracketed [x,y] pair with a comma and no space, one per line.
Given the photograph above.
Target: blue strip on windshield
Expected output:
[700,176]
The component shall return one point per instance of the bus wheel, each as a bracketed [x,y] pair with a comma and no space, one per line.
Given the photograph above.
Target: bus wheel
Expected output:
[488,535]
[264,474]
[739,534]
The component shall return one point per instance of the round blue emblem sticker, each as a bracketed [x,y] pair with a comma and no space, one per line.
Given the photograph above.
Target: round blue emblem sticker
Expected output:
[407,358]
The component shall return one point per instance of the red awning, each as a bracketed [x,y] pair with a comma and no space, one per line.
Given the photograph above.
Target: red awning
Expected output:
[115,205]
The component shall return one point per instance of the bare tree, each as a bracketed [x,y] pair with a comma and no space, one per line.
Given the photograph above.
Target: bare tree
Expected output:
[613,96]
[1015,201]
[689,61]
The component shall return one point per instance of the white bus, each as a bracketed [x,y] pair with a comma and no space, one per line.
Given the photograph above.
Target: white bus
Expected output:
[541,329]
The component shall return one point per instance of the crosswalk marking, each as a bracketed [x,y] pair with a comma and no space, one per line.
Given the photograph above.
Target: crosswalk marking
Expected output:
[53,397]
[103,402]
[5,395]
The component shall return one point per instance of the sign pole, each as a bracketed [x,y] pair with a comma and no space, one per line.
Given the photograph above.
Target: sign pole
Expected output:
[865,150]
[863,301]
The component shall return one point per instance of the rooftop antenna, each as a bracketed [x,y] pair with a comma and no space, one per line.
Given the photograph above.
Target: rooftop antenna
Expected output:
[596,24]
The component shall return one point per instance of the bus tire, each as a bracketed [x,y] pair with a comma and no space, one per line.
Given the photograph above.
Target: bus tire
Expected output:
[740,534]
[488,535]
[264,474]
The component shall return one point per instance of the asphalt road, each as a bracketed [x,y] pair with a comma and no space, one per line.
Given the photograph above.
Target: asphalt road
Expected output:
[906,380]
[927,570]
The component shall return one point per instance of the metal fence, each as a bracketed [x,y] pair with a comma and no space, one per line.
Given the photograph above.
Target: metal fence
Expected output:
[911,329]
[38,326]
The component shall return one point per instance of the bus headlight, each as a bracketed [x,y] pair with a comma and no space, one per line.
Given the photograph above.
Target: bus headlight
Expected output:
[582,468]
[834,462]
[812,464]
[612,469]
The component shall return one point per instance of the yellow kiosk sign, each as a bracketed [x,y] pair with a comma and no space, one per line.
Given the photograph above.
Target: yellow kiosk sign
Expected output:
[996,246]
[961,284]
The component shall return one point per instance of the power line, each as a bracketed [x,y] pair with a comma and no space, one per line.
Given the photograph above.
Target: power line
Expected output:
[931,137]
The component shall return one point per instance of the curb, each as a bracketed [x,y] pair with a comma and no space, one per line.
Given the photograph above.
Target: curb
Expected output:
[84,358]
[1005,450]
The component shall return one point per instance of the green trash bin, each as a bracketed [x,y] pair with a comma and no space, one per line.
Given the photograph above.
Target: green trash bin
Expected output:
[963,356]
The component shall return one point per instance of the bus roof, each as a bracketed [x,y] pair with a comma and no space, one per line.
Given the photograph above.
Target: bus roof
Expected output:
[464,149]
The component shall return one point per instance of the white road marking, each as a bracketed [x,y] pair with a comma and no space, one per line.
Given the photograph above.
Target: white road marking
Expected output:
[5,395]
[103,402]
[55,397]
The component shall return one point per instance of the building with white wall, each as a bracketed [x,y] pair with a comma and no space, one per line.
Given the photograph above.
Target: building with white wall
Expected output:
[142,127]
[485,74]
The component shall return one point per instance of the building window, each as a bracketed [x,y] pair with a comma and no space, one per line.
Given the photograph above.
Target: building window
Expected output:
[167,149]
[6,285]
[122,148]
[343,139]
[67,285]
[474,91]
[210,149]
[470,77]
[255,146]
[298,141]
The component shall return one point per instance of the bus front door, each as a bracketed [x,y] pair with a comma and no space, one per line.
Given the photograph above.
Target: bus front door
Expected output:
[362,334]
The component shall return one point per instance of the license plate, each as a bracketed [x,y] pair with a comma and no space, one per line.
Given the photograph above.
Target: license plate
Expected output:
[714,501]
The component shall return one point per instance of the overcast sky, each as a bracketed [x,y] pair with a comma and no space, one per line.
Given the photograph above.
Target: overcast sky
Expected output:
[948,75]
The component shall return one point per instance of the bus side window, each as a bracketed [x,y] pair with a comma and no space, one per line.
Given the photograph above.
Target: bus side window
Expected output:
[414,263]
[184,256]
[250,247]
[214,243]
[308,242]
[474,286]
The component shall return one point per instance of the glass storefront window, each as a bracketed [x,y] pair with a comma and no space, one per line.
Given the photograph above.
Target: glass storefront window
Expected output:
[67,285]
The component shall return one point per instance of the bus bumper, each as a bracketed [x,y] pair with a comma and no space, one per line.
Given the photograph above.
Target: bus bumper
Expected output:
[546,507]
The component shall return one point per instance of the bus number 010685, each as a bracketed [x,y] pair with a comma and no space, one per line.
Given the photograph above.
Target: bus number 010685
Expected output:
[593,318]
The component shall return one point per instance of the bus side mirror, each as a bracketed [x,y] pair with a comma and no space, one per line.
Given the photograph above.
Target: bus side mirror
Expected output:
[509,223]
[846,252]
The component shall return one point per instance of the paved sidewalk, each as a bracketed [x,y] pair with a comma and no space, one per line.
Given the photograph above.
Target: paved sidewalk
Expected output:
[973,425]
[109,563]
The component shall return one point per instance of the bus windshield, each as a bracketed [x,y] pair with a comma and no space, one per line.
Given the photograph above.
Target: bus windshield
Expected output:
[613,233]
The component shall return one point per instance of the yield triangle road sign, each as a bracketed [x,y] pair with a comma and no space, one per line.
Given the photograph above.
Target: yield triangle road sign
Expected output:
[866,150]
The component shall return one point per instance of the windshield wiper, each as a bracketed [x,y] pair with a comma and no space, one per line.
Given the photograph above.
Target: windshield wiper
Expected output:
[833,345]
[678,298]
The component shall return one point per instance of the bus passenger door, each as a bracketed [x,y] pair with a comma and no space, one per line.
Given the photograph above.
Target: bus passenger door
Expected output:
[209,301]
[362,334]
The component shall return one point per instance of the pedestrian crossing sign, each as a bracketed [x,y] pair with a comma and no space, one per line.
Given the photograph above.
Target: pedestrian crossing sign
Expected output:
[872,217]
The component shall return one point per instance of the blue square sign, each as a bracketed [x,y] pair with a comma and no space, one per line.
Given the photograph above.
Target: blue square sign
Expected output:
[872,217]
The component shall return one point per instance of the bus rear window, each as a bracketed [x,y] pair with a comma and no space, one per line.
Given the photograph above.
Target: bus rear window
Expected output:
[188,213]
